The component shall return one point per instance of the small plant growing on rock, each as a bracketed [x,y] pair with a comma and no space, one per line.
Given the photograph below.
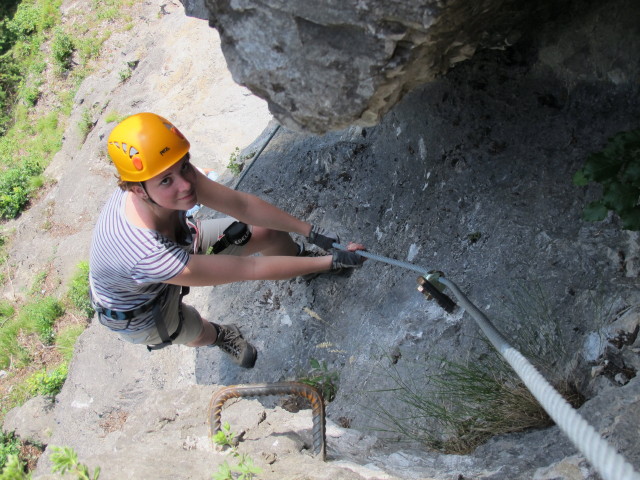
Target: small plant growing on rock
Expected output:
[323,380]
[244,469]
[235,162]
[65,460]
[86,123]
[225,437]
[48,383]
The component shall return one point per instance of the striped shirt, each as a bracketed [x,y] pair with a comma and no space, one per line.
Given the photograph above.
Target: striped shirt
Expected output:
[128,264]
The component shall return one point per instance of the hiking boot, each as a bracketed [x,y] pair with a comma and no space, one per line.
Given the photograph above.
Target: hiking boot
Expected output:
[231,341]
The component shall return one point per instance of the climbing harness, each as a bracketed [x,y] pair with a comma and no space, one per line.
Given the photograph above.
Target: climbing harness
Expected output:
[606,460]
[154,305]
[279,388]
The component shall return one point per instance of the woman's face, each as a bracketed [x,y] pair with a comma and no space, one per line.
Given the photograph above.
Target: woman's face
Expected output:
[175,188]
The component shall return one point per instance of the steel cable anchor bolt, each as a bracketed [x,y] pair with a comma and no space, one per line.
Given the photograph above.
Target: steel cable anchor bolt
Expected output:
[432,290]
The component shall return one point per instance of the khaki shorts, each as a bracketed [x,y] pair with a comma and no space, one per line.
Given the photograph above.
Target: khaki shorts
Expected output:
[208,232]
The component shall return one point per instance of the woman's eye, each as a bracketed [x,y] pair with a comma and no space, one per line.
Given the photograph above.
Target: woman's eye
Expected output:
[165,181]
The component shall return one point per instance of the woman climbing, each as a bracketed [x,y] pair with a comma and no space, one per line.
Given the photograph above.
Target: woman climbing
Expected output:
[146,253]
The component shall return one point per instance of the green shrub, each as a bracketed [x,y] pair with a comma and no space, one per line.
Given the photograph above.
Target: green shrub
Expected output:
[125,74]
[10,77]
[107,9]
[62,49]
[78,293]
[37,285]
[15,189]
[48,132]
[14,469]
[89,47]
[47,383]
[6,311]
[9,445]
[25,22]
[30,95]
[244,469]
[617,169]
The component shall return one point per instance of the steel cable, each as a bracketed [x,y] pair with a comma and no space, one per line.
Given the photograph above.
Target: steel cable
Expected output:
[606,460]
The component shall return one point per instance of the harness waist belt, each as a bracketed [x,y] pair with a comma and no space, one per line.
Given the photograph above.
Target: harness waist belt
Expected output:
[126,315]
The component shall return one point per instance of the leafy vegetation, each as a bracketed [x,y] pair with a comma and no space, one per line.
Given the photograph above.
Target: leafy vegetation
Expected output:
[85,124]
[33,36]
[37,338]
[236,161]
[114,116]
[16,187]
[48,384]
[9,445]
[78,293]
[244,469]
[323,380]
[62,49]
[66,340]
[617,169]
[65,460]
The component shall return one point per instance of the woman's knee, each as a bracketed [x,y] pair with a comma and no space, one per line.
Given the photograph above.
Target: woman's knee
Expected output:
[271,242]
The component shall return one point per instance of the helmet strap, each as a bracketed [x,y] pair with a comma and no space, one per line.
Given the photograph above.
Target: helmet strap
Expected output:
[151,200]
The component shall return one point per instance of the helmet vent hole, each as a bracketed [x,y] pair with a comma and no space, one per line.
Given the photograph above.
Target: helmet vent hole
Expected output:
[132,152]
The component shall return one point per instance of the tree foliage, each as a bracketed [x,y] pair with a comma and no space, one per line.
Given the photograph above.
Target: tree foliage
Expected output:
[617,169]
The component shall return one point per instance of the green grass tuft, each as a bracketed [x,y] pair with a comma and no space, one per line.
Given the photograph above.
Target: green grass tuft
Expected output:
[39,317]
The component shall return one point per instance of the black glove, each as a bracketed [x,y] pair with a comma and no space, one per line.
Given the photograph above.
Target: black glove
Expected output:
[344,259]
[320,237]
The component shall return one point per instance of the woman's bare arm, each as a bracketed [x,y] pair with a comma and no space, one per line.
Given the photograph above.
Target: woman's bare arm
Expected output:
[246,207]
[205,270]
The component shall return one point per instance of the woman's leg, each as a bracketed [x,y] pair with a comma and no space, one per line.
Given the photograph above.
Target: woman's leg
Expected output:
[270,242]
[208,336]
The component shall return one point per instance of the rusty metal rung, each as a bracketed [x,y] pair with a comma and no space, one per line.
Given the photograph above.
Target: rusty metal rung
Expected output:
[278,388]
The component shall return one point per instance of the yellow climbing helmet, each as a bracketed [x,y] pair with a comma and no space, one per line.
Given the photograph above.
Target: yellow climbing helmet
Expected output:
[144,145]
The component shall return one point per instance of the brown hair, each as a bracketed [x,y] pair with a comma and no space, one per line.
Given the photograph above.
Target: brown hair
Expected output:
[126,186]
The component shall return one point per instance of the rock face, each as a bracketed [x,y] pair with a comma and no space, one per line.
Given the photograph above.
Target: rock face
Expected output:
[325,65]
[469,174]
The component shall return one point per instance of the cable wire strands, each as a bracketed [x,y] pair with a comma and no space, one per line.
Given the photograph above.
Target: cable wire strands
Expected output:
[609,463]
[606,460]
[279,388]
